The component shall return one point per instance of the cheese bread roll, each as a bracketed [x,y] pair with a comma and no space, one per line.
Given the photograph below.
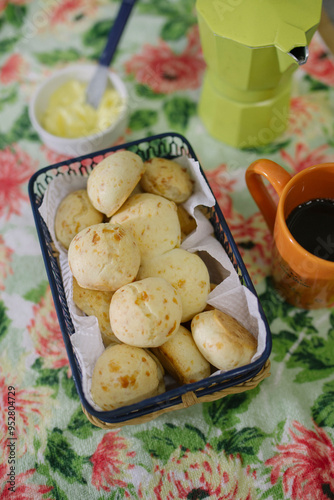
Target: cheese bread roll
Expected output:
[181,358]
[124,375]
[187,273]
[75,212]
[112,181]
[167,178]
[95,303]
[224,342]
[104,257]
[145,313]
[153,221]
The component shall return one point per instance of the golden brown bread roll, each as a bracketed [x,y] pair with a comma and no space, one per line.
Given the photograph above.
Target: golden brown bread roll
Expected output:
[95,303]
[153,221]
[145,313]
[187,273]
[113,179]
[181,358]
[168,179]
[187,222]
[104,257]
[161,371]
[224,342]
[75,212]
[124,375]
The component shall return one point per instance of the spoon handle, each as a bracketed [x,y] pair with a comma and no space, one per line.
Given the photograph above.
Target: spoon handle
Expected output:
[116,32]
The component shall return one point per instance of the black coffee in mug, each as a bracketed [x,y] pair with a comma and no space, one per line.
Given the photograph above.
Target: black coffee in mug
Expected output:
[312,226]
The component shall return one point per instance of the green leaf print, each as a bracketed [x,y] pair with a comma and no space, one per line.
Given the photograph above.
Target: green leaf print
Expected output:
[274,492]
[143,118]
[273,304]
[282,343]
[274,307]
[4,141]
[8,95]
[49,377]
[162,442]
[68,385]
[175,29]
[269,149]
[315,357]
[7,44]
[22,128]
[4,320]
[323,408]
[245,442]
[95,38]
[52,377]
[161,7]
[222,414]
[279,431]
[118,494]
[56,493]
[98,31]
[35,294]
[145,91]
[57,56]
[301,321]
[80,426]
[63,459]
[315,85]
[180,16]
[15,14]
[178,111]
[37,443]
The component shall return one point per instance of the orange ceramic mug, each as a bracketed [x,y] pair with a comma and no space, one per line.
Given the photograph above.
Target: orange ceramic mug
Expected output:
[305,278]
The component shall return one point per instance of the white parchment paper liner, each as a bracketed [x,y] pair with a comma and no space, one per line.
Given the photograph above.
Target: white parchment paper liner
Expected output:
[229,295]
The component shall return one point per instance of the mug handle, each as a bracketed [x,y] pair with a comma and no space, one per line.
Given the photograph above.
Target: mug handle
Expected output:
[278,178]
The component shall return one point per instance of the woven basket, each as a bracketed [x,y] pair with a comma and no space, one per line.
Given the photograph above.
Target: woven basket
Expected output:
[188,399]
[169,145]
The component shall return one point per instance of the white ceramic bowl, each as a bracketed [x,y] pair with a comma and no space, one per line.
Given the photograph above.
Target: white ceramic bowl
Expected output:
[82,145]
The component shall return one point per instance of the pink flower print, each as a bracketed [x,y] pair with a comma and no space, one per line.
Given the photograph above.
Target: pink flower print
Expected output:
[22,489]
[5,260]
[45,332]
[251,234]
[165,71]
[66,10]
[306,464]
[201,474]
[16,169]
[320,64]
[254,241]
[53,157]
[30,408]
[110,462]
[13,69]
[302,111]
[222,186]
[304,158]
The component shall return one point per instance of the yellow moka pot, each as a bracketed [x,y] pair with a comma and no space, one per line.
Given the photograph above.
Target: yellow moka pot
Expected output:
[252,48]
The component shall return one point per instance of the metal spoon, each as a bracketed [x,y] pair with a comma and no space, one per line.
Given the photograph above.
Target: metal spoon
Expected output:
[98,83]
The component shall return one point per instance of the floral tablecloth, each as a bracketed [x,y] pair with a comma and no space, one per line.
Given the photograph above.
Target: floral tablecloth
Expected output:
[273,442]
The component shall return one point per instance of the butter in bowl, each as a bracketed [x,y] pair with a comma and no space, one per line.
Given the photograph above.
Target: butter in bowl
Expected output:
[67,124]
